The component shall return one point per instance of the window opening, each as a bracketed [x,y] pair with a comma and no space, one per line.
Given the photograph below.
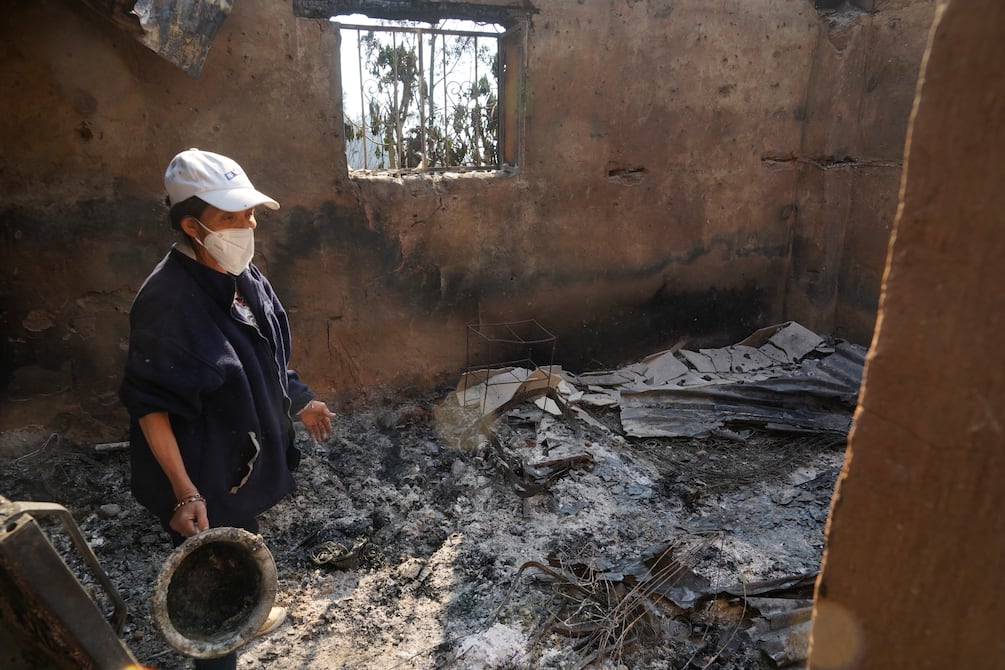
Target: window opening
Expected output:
[418,96]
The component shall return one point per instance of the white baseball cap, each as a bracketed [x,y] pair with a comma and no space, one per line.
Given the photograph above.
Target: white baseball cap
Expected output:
[216,179]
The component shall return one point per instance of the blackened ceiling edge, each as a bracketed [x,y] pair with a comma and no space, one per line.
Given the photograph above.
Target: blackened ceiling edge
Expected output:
[415,10]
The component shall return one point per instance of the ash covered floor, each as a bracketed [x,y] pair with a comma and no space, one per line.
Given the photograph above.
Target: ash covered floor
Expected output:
[542,542]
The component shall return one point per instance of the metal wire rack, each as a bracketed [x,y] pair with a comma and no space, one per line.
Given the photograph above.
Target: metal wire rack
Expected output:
[496,353]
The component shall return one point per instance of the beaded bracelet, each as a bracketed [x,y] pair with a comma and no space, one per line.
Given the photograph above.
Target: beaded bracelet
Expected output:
[191,499]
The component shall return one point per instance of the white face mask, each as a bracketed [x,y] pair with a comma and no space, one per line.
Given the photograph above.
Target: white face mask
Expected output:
[232,248]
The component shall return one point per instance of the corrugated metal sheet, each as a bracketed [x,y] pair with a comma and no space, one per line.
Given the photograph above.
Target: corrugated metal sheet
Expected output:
[818,396]
[180,31]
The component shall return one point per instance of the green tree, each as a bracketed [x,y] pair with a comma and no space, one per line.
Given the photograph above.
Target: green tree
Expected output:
[427,110]
[395,71]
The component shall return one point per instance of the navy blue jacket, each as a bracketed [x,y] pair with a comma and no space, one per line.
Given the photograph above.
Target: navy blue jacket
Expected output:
[224,383]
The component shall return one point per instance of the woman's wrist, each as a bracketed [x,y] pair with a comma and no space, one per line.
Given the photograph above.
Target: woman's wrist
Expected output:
[196,497]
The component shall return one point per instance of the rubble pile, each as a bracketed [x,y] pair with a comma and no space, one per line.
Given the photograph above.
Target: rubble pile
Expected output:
[549,524]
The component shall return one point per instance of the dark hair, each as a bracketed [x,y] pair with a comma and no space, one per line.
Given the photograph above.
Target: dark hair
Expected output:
[194,206]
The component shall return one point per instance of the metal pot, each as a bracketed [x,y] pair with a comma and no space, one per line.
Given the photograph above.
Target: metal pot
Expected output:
[214,592]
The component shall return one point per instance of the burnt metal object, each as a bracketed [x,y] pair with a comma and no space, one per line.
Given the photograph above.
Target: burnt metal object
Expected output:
[509,343]
[214,592]
[47,618]
[180,31]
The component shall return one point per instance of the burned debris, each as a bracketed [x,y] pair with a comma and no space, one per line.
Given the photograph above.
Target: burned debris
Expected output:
[784,378]
[545,519]
[783,387]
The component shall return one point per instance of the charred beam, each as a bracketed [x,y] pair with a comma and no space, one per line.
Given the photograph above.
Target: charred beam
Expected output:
[419,10]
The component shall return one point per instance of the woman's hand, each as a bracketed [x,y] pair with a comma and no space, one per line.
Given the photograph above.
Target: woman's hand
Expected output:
[189,516]
[317,420]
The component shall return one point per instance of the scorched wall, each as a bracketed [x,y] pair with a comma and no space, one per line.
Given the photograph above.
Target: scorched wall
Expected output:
[687,169]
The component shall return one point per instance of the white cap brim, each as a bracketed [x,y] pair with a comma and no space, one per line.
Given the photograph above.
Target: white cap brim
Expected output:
[238,199]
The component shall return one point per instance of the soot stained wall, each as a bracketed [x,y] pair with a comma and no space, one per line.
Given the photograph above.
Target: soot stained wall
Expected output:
[688,171]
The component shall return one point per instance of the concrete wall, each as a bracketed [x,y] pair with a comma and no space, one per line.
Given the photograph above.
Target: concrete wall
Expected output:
[689,170]
[860,90]
[916,534]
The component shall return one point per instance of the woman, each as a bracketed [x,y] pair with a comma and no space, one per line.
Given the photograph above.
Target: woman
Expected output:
[206,383]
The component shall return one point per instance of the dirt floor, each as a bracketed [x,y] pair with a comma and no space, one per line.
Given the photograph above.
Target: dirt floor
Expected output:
[531,542]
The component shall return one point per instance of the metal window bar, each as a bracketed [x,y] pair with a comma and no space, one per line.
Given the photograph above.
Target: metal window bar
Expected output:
[399,149]
[480,157]
[446,106]
[421,86]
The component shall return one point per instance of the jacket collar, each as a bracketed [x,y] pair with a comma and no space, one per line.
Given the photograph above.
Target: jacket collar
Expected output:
[219,286]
